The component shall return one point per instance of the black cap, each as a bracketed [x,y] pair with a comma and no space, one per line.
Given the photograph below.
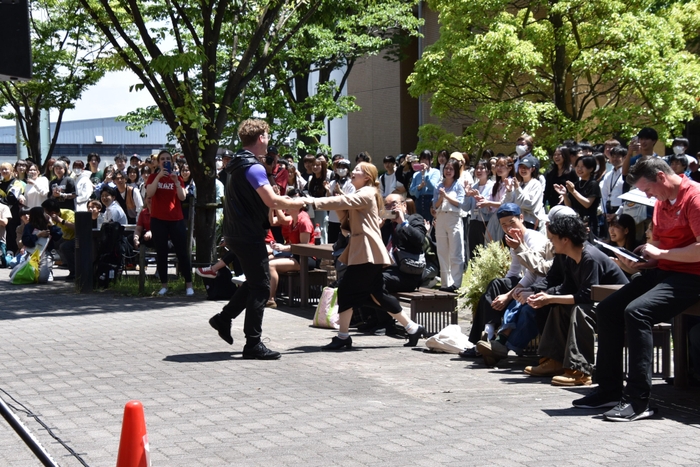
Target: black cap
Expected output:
[272,150]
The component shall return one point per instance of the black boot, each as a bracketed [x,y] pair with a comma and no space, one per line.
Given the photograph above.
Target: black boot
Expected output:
[413,338]
[338,344]
[259,352]
[223,327]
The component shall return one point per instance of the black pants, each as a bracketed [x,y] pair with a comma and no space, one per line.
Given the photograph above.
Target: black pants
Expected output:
[653,297]
[333,232]
[477,232]
[484,314]
[176,232]
[254,292]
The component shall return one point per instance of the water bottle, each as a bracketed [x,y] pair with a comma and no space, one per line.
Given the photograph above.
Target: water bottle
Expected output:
[317,235]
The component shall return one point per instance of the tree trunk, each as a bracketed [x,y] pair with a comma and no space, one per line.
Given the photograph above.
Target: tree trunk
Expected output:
[205,205]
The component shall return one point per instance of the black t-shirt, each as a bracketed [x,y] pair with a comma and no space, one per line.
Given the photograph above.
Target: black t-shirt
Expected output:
[587,189]
[552,177]
[67,185]
[594,268]
[316,187]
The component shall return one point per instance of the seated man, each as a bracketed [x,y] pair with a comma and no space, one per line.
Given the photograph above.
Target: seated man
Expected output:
[407,233]
[499,293]
[567,342]
[113,212]
[521,322]
[669,283]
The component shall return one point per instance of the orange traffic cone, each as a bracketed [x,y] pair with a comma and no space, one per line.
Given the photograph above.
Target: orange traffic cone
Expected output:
[133,444]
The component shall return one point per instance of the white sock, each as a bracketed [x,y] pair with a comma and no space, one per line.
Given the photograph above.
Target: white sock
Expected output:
[343,335]
[490,330]
[411,327]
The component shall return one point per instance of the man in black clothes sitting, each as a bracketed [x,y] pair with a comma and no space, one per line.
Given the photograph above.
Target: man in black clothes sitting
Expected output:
[567,342]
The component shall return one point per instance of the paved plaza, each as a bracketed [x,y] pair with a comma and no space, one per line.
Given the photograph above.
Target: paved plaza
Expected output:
[75,360]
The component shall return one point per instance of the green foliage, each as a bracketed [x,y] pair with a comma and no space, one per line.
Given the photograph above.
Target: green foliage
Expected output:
[68,57]
[561,69]
[302,86]
[489,262]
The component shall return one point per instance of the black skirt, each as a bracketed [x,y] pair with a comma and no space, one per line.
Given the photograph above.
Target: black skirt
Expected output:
[358,283]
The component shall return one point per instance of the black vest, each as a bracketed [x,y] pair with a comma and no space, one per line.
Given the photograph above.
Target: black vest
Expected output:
[245,214]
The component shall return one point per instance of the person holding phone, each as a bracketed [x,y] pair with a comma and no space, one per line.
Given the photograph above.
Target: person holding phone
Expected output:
[167,190]
[668,284]
[425,181]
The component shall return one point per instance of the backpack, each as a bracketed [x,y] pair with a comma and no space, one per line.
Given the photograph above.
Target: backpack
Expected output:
[220,287]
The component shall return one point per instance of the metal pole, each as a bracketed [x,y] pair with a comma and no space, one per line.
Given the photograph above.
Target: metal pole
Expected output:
[83,251]
[26,436]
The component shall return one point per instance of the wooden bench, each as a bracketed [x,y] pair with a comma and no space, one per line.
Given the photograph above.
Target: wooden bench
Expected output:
[431,308]
[662,337]
[290,286]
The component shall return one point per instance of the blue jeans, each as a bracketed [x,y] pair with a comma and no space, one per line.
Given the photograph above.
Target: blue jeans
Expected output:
[521,319]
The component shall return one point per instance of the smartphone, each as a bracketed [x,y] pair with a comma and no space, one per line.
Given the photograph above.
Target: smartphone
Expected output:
[168,166]
[391,215]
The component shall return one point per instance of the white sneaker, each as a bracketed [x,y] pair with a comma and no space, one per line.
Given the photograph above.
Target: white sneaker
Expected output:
[238,279]
[189,292]
[163,291]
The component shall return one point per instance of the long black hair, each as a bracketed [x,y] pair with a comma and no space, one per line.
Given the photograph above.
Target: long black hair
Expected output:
[37,218]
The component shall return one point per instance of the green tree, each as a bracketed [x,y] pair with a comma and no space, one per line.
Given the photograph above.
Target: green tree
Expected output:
[196,58]
[339,34]
[561,68]
[68,58]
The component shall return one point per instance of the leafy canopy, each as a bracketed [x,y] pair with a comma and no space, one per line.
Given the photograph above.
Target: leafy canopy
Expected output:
[560,68]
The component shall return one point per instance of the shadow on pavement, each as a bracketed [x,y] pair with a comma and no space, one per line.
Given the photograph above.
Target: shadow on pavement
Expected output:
[201,357]
[60,299]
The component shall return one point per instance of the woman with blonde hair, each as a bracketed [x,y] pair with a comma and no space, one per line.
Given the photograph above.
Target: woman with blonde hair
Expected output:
[363,284]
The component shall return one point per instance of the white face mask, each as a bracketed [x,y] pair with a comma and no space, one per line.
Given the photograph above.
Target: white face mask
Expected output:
[521,149]
[219,165]
[678,150]
[77,172]
[341,172]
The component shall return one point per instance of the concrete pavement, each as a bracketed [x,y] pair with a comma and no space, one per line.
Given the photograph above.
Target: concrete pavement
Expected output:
[75,360]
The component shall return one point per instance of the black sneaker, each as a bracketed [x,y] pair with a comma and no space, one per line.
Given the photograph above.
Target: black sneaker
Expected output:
[470,353]
[222,326]
[259,352]
[624,412]
[596,400]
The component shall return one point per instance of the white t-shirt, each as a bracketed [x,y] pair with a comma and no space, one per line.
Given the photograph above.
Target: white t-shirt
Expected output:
[388,183]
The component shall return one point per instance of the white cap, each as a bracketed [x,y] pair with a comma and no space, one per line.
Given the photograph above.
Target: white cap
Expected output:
[560,210]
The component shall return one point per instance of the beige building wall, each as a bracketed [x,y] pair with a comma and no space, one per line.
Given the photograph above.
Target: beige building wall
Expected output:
[388,121]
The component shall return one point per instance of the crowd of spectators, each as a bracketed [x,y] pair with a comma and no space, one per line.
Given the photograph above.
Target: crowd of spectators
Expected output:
[561,226]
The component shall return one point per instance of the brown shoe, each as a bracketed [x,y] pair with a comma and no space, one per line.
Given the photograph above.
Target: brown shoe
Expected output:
[572,378]
[271,304]
[547,368]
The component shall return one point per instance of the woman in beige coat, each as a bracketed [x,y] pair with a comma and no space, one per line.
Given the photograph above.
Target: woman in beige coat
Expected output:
[365,255]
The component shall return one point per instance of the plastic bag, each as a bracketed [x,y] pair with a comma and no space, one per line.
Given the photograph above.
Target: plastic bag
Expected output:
[449,340]
[326,315]
[27,272]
